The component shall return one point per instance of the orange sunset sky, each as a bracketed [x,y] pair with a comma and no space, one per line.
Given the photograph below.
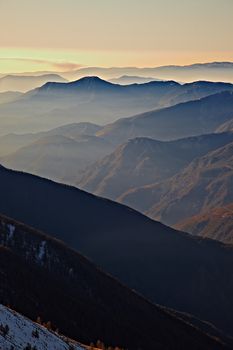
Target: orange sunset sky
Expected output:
[61,35]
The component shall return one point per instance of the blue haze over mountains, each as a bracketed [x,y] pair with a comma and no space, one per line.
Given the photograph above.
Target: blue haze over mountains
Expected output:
[110,164]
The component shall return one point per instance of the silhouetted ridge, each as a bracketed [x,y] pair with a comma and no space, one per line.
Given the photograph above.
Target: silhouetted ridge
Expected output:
[79,299]
[168,267]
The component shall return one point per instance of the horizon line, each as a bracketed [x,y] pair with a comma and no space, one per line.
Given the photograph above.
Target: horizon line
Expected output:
[82,67]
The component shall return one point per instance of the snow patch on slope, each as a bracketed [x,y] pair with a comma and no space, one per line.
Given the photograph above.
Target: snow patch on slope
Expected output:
[11,230]
[22,332]
[41,252]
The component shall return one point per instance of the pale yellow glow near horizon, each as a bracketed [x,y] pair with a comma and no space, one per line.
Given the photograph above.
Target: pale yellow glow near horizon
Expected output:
[13,61]
[62,34]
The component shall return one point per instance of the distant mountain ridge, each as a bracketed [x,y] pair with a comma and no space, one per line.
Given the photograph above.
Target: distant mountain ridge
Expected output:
[142,161]
[26,83]
[12,142]
[190,118]
[92,99]
[58,157]
[130,79]
[213,71]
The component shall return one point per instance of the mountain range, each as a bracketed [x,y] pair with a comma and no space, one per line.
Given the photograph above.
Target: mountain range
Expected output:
[182,120]
[12,142]
[205,184]
[91,99]
[213,71]
[143,161]
[60,154]
[188,179]
[58,157]
[151,270]
[65,152]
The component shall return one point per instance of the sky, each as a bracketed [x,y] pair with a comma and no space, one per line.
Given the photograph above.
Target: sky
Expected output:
[61,35]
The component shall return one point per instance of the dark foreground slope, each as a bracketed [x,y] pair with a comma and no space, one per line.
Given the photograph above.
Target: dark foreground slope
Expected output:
[166,266]
[40,276]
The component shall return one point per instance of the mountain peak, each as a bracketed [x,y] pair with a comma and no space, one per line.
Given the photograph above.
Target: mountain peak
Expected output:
[93,78]
[85,83]
[91,82]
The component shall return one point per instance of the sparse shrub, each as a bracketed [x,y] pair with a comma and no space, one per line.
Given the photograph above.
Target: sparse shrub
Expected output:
[48,325]
[35,333]
[4,330]
[38,320]
[29,347]
[100,345]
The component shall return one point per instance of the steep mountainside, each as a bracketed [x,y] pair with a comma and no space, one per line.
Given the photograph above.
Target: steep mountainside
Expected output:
[216,224]
[138,251]
[143,161]
[94,100]
[228,126]
[79,299]
[206,183]
[23,332]
[59,157]
[182,120]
